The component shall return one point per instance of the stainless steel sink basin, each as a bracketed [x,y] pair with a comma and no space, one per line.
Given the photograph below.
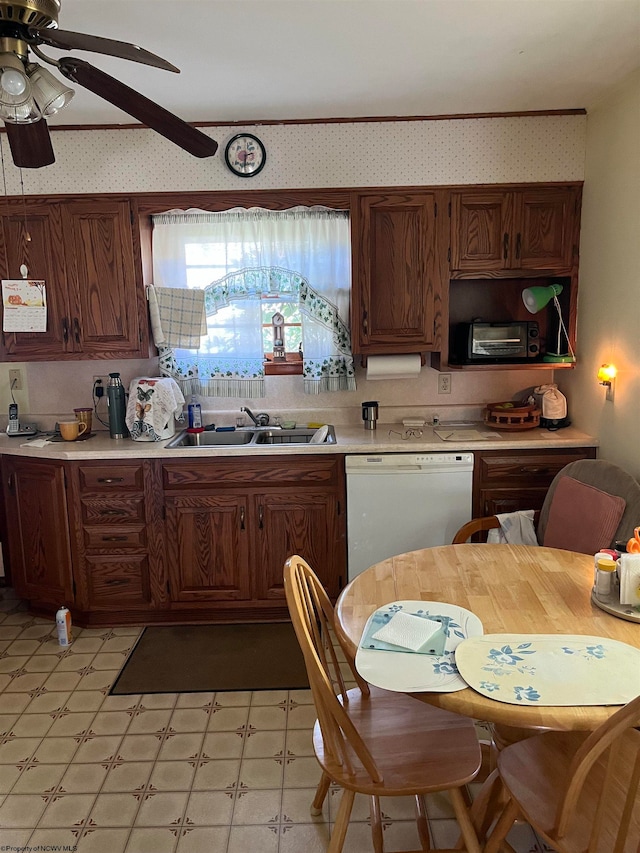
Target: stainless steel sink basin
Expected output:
[292,436]
[211,439]
[247,437]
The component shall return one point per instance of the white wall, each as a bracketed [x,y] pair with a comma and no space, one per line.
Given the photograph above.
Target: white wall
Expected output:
[609,293]
[452,151]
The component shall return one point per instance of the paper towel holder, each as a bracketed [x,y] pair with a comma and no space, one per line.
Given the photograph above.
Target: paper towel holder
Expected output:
[423,357]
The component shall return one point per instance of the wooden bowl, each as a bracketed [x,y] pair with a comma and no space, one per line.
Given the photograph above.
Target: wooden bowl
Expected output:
[514,417]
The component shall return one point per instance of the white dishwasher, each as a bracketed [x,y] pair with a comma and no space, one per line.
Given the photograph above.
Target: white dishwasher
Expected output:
[400,502]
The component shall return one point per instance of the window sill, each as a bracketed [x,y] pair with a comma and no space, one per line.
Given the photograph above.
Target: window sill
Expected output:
[291,366]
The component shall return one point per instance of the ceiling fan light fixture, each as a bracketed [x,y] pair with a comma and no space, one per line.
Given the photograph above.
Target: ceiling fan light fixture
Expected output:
[26,113]
[15,88]
[51,94]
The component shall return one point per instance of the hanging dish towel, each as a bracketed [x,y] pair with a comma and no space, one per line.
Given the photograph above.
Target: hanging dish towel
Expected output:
[177,316]
[154,406]
[516,528]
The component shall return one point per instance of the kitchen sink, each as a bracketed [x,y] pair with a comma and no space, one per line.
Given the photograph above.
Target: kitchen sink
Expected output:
[247,437]
[292,436]
[211,439]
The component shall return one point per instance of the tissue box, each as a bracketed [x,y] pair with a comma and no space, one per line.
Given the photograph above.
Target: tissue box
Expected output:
[629,572]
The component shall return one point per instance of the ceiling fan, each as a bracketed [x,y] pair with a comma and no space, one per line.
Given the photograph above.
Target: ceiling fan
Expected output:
[29,93]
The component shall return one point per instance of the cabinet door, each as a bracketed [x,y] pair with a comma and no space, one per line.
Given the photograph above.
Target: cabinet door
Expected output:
[545,235]
[207,548]
[481,224]
[108,305]
[296,523]
[397,274]
[33,237]
[38,530]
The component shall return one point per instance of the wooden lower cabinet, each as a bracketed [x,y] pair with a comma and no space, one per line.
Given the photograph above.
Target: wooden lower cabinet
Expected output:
[208,548]
[231,524]
[506,481]
[39,552]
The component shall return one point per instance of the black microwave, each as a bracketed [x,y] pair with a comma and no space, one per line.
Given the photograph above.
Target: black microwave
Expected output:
[497,343]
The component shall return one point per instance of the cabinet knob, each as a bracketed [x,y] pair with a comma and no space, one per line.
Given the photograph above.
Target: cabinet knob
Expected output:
[76,330]
[114,538]
[65,330]
[110,479]
[112,512]
[518,245]
[505,246]
[260,517]
[241,518]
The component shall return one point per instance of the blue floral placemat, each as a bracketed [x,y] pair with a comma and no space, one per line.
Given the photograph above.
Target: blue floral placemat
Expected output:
[550,669]
[415,672]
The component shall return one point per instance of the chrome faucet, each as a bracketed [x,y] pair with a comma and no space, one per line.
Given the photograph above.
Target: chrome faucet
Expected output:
[260,420]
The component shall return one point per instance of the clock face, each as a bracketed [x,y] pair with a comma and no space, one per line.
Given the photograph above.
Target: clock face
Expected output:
[245,155]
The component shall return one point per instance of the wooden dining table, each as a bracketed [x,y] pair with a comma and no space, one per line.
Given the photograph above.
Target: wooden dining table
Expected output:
[513,589]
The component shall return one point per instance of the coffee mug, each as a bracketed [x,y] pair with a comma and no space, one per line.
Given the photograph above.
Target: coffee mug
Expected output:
[83,414]
[70,430]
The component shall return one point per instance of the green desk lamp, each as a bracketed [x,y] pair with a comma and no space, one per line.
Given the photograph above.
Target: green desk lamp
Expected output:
[535,299]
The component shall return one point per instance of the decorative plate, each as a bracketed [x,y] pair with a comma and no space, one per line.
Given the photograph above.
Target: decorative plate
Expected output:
[550,669]
[411,672]
[245,155]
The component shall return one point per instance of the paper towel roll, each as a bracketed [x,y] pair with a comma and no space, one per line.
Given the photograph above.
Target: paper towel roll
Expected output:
[393,366]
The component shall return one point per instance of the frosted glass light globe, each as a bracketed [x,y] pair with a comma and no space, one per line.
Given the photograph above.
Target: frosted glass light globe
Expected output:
[13,82]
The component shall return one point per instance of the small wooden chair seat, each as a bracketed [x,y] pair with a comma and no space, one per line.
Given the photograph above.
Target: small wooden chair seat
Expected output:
[373,741]
[579,791]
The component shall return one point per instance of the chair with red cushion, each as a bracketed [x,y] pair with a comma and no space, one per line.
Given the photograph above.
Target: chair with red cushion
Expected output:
[590,504]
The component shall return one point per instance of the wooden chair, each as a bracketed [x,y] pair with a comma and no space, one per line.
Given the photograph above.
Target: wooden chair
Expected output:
[579,791]
[603,475]
[372,741]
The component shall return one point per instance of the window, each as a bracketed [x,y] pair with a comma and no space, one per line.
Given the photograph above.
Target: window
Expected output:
[251,265]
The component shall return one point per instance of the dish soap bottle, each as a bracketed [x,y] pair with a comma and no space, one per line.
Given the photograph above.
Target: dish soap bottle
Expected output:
[195,413]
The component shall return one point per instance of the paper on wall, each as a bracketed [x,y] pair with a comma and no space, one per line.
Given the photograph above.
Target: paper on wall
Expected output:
[24,305]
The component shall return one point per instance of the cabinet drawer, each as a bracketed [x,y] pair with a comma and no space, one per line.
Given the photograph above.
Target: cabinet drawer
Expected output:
[531,469]
[280,472]
[113,510]
[115,537]
[101,478]
[115,582]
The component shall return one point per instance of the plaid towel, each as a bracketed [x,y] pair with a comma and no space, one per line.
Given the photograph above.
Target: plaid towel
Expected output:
[177,316]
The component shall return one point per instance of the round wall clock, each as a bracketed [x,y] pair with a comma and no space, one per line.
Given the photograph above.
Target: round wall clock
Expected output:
[245,155]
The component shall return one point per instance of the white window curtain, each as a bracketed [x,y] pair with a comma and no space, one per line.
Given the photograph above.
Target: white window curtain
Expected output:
[237,257]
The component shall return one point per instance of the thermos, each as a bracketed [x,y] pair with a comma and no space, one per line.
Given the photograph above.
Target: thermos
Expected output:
[63,626]
[370,414]
[117,406]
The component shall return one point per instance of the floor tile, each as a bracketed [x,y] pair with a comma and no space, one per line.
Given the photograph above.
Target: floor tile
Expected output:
[154,840]
[162,809]
[172,775]
[244,838]
[132,776]
[83,778]
[139,747]
[267,744]
[114,810]
[310,838]
[103,841]
[260,773]
[21,810]
[194,719]
[204,838]
[222,745]
[257,807]
[148,722]
[209,808]
[179,746]
[67,810]
[221,774]
[38,780]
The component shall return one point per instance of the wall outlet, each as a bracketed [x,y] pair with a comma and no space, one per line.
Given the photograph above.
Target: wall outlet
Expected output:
[15,379]
[444,383]
[100,382]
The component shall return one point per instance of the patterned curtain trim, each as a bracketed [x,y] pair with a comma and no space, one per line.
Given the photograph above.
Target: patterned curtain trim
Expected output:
[334,373]
[211,376]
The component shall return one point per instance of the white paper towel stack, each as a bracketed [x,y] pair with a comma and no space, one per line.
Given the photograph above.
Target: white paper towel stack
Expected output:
[393,366]
[629,571]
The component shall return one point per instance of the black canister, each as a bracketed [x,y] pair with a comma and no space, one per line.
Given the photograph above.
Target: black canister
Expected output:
[117,407]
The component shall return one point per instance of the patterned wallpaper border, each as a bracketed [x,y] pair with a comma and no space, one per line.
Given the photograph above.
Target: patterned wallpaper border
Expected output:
[449,151]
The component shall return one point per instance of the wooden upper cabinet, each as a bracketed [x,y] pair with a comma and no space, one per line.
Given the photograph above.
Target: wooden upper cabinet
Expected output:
[84,252]
[108,310]
[522,229]
[397,281]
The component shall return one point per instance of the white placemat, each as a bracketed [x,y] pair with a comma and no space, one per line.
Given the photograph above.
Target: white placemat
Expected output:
[550,669]
[419,673]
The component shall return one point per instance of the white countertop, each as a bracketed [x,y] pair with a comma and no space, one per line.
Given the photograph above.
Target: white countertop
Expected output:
[385,439]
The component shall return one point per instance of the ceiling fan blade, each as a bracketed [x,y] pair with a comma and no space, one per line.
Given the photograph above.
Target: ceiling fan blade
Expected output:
[148,112]
[30,144]
[66,40]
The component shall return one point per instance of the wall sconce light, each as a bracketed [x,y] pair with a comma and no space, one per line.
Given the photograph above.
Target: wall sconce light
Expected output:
[606,376]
